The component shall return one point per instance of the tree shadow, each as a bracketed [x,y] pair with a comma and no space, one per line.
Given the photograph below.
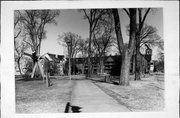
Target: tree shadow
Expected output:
[67,107]
[33,79]
[76,109]
[73,109]
[115,83]
[107,82]
[30,79]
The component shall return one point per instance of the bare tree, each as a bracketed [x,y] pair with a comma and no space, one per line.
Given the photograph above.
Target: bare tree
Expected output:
[17,29]
[103,39]
[145,35]
[19,52]
[33,23]
[125,51]
[139,39]
[148,35]
[19,46]
[93,16]
[83,47]
[83,50]
[70,41]
[74,40]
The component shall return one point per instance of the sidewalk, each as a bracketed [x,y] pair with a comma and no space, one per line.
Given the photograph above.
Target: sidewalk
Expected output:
[87,97]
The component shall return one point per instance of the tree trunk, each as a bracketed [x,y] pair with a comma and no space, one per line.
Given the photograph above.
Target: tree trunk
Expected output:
[83,68]
[128,50]
[125,67]
[83,61]
[69,70]
[101,65]
[133,64]
[83,64]
[34,69]
[125,50]
[138,57]
[46,71]
[138,66]
[47,80]
[18,62]
[98,68]
[89,53]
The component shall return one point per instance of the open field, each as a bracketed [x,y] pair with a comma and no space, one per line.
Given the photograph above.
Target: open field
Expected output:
[35,97]
[144,95]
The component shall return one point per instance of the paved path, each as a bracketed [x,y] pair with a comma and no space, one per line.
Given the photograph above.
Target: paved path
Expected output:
[92,99]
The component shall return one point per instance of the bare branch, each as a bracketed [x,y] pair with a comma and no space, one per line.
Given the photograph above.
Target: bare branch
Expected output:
[17,34]
[86,15]
[127,12]
[27,54]
[144,18]
[146,15]
[118,30]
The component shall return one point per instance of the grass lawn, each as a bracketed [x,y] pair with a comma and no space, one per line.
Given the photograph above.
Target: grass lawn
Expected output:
[144,95]
[35,97]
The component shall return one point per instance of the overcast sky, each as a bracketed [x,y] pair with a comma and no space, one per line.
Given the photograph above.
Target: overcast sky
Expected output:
[71,20]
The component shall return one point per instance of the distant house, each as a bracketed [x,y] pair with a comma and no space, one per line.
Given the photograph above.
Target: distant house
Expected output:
[56,63]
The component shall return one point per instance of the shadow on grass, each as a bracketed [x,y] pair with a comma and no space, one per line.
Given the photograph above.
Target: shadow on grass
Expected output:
[29,79]
[33,79]
[107,82]
[76,109]
[73,109]
[115,83]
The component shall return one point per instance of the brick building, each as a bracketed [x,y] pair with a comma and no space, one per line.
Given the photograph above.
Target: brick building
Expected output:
[111,64]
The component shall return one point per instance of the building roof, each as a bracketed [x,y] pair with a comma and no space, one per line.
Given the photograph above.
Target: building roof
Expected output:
[54,57]
[109,59]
